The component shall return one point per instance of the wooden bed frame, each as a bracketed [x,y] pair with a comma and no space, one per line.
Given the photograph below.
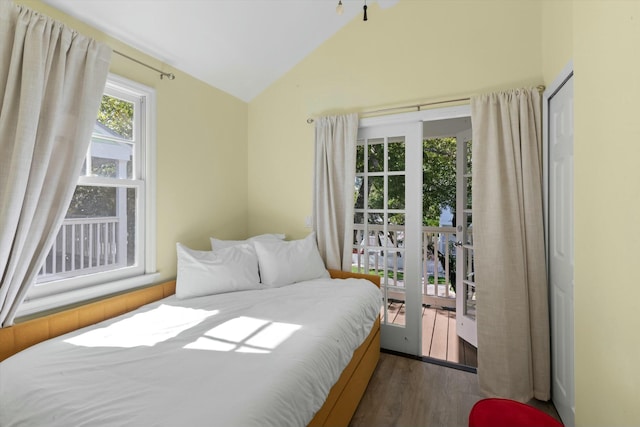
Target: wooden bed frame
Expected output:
[337,410]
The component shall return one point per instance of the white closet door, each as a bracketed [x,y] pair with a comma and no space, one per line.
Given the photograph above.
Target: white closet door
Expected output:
[560,240]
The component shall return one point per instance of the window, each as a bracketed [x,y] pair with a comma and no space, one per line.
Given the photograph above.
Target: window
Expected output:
[106,242]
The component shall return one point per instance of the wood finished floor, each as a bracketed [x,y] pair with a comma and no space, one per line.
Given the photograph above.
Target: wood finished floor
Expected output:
[439,337]
[413,393]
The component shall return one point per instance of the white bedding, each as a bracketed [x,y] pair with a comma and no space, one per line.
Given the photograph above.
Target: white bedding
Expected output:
[253,358]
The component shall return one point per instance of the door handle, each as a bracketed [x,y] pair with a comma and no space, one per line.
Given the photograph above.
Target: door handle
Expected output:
[458,243]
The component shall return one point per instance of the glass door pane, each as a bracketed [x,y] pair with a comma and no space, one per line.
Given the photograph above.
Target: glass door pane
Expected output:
[465,275]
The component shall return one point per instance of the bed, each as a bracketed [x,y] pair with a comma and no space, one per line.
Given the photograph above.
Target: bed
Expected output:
[303,355]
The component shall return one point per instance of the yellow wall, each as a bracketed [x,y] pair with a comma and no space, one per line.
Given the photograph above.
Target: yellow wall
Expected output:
[201,152]
[412,52]
[607,195]
[557,37]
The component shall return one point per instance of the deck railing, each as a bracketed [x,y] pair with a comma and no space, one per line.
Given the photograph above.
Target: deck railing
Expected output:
[86,245]
[384,255]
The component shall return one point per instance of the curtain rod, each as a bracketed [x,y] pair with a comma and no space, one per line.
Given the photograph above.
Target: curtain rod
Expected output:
[170,76]
[540,88]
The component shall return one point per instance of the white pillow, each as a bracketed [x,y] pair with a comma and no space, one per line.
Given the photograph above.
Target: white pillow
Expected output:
[283,263]
[219,244]
[215,272]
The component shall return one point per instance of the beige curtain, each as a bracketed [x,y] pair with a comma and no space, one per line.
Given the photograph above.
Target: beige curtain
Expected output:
[510,269]
[334,176]
[51,83]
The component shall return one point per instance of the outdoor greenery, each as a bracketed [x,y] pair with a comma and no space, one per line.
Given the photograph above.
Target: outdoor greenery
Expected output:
[93,201]
[438,187]
[438,183]
[438,178]
[117,115]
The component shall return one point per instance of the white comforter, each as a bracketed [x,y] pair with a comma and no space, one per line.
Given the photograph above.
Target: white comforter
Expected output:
[254,358]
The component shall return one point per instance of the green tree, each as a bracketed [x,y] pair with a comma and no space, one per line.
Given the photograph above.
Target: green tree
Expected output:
[438,178]
[117,115]
[438,185]
[89,201]
[438,181]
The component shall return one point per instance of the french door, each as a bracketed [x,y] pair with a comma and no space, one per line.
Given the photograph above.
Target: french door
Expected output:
[388,219]
[387,225]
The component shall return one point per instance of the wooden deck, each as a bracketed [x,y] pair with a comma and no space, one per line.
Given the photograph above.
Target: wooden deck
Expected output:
[439,338]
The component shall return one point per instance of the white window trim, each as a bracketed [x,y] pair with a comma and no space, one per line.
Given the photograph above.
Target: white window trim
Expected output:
[66,292]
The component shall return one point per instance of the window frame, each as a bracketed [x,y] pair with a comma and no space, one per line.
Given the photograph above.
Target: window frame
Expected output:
[58,293]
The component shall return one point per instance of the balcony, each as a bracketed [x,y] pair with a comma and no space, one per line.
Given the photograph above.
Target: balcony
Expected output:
[85,246]
[384,255]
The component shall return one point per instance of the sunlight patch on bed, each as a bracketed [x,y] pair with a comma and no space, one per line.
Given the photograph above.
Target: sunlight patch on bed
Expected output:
[245,335]
[144,329]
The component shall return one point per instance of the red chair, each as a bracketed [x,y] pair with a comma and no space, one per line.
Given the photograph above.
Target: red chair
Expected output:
[508,413]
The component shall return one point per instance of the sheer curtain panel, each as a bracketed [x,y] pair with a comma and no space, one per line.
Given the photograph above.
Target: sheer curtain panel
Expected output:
[510,268]
[51,83]
[334,176]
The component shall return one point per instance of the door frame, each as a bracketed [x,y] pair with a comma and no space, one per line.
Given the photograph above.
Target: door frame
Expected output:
[414,343]
[418,116]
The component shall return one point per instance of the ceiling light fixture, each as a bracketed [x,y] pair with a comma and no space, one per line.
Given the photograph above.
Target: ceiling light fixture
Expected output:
[340,9]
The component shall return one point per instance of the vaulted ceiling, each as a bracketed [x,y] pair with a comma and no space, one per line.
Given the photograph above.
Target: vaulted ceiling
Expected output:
[238,46]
